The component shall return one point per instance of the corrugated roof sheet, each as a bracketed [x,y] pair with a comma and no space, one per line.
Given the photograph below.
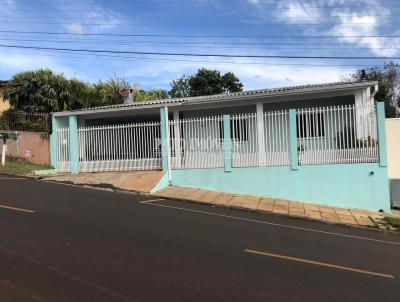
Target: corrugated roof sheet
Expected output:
[226,96]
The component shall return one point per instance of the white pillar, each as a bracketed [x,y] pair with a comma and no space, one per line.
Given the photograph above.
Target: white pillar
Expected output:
[3,154]
[359,112]
[260,134]
[177,139]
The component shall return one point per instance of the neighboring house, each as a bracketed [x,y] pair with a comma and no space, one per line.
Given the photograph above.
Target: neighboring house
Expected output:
[31,128]
[321,143]
[393,150]
[4,104]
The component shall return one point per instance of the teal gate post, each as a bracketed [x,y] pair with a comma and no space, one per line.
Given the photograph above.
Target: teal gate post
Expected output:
[380,120]
[74,144]
[165,152]
[227,144]
[294,155]
[53,142]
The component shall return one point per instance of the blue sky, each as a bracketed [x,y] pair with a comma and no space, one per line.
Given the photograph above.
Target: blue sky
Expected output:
[236,27]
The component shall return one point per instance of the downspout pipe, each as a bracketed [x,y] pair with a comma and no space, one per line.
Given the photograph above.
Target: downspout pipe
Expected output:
[376,89]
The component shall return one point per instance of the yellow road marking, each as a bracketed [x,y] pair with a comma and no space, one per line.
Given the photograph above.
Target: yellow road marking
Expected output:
[345,268]
[274,224]
[16,209]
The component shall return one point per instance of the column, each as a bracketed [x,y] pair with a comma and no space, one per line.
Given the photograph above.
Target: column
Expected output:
[177,139]
[294,156]
[73,144]
[380,117]
[260,134]
[165,141]
[227,144]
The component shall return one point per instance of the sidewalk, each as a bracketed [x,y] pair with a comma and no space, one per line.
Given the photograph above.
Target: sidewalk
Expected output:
[137,181]
[327,214]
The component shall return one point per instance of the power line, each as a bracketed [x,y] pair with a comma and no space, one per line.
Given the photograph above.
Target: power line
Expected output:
[57,39]
[205,55]
[195,45]
[202,36]
[188,25]
[133,58]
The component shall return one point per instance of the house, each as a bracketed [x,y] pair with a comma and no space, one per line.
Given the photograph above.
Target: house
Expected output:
[4,104]
[322,143]
[393,151]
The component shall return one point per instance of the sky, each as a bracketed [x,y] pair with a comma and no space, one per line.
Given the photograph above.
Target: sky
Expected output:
[305,28]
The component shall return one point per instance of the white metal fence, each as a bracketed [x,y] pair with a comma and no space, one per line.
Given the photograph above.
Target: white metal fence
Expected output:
[328,135]
[197,143]
[341,134]
[63,150]
[260,139]
[120,147]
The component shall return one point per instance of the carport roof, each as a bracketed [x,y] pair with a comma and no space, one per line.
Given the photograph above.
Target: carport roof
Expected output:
[280,91]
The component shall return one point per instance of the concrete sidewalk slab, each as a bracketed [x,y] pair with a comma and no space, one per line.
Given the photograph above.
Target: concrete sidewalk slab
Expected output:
[351,217]
[137,181]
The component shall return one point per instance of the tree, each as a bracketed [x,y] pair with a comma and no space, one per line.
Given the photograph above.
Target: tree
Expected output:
[388,77]
[40,90]
[150,95]
[107,93]
[231,83]
[180,87]
[205,82]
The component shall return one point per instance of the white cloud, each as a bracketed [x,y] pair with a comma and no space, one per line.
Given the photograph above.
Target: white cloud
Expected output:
[98,17]
[75,28]
[365,24]
[297,12]
[11,7]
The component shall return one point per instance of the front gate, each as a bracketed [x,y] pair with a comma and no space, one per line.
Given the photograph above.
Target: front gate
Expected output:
[120,147]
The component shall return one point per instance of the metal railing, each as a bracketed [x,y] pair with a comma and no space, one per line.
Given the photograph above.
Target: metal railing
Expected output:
[25,121]
[340,134]
[120,147]
[326,135]
[197,143]
[63,150]
[260,139]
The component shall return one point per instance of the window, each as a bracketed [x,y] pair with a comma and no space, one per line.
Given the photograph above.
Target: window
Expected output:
[310,125]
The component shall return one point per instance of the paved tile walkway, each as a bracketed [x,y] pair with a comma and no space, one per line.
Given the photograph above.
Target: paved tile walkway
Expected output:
[138,181]
[352,217]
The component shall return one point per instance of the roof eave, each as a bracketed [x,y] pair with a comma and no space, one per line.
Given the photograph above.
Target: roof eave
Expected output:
[196,101]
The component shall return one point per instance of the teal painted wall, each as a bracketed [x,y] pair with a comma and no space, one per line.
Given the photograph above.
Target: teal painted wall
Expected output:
[74,144]
[341,185]
[164,139]
[163,183]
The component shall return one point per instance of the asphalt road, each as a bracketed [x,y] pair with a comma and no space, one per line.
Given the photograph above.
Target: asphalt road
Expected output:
[81,244]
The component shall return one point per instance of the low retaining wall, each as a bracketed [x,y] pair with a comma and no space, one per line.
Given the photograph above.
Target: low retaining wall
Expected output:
[31,146]
[361,186]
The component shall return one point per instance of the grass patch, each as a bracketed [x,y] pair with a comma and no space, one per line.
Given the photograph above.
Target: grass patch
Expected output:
[19,167]
[394,222]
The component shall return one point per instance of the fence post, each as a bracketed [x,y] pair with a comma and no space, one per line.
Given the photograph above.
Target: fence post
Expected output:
[177,139]
[294,156]
[227,143]
[165,143]
[73,144]
[260,134]
[53,142]
[380,117]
